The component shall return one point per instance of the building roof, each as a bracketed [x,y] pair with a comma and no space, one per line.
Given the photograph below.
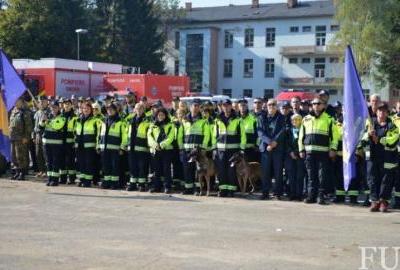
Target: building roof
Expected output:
[263,12]
[66,64]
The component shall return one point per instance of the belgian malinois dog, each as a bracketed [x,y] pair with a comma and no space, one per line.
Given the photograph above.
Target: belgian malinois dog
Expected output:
[205,168]
[245,171]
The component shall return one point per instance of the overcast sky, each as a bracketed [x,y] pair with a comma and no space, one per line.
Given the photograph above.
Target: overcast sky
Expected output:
[208,3]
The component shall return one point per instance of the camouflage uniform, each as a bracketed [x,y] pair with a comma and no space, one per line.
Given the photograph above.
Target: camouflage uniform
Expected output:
[20,129]
[38,130]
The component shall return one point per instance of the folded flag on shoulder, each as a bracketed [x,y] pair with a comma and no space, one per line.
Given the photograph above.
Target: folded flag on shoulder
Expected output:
[12,87]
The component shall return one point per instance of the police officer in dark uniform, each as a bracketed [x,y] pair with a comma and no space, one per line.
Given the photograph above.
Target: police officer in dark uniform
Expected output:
[271,133]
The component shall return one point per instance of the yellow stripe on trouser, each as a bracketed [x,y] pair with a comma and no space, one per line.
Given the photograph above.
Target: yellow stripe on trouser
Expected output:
[133,180]
[115,178]
[228,187]
[190,185]
[142,180]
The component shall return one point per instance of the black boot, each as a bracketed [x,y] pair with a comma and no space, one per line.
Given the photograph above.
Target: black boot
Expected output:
[339,199]
[310,199]
[222,193]
[131,187]
[87,183]
[21,175]
[366,202]
[63,179]
[48,183]
[105,184]
[54,183]
[354,200]
[114,185]
[322,200]
[187,191]
[396,203]
[264,196]
[16,174]
[71,180]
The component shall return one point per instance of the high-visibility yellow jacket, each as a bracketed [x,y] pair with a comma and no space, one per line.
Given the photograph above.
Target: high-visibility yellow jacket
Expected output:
[162,135]
[228,133]
[137,134]
[193,133]
[54,131]
[113,135]
[317,134]
[87,132]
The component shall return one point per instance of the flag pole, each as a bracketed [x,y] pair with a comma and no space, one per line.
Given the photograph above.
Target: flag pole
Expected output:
[33,97]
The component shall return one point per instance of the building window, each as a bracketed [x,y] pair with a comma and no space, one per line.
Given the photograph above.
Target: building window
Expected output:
[294,29]
[268,93]
[194,61]
[333,92]
[334,60]
[305,60]
[228,39]
[319,67]
[366,93]
[306,28]
[177,40]
[335,28]
[249,37]
[292,60]
[270,37]
[176,68]
[228,68]
[227,92]
[248,93]
[269,68]
[248,68]
[320,35]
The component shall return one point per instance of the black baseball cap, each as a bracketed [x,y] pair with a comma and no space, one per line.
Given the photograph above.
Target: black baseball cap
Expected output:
[285,104]
[383,106]
[323,92]
[226,101]
[196,101]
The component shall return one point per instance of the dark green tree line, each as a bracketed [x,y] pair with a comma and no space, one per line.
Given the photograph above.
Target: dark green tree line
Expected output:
[129,32]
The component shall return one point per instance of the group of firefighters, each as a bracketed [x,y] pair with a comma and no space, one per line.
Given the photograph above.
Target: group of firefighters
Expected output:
[140,146]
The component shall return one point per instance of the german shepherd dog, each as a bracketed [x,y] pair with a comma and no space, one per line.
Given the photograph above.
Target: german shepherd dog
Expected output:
[205,168]
[245,171]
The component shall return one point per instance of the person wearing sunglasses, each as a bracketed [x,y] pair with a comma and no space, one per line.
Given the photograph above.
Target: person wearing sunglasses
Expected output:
[257,107]
[271,133]
[317,144]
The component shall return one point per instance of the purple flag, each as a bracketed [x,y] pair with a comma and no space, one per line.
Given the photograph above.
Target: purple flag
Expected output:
[11,84]
[355,114]
[12,88]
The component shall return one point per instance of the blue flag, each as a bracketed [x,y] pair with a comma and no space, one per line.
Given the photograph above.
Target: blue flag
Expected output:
[355,114]
[12,87]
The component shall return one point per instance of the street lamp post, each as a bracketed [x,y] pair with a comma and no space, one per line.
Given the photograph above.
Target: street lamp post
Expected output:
[78,32]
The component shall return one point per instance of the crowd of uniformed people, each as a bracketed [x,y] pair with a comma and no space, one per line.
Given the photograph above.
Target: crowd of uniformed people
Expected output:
[138,145]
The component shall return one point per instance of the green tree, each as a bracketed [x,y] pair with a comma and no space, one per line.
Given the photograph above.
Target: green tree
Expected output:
[129,33]
[41,28]
[372,28]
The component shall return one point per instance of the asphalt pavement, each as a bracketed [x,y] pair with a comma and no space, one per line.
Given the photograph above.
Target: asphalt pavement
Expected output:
[68,227]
